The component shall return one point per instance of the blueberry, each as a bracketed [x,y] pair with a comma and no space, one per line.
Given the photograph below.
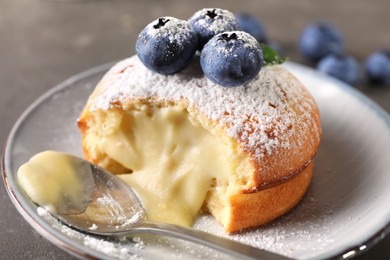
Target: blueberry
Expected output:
[378,68]
[166,45]
[231,58]
[208,22]
[250,24]
[343,67]
[319,40]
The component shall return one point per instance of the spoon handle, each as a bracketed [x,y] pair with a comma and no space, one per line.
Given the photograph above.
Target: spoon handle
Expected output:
[224,245]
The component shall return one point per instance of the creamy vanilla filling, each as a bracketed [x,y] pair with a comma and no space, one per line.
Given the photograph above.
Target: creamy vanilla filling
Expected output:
[52,180]
[174,161]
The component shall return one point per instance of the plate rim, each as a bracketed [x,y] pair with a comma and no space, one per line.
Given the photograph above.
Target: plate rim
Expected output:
[356,249]
[61,242]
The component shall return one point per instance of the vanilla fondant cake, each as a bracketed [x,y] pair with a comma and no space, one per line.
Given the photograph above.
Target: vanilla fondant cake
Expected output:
[186,144]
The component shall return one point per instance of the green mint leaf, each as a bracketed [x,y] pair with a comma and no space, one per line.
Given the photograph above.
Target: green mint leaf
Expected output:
[271,57]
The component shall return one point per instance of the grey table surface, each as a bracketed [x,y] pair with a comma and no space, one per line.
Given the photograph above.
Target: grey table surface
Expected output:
[44,42]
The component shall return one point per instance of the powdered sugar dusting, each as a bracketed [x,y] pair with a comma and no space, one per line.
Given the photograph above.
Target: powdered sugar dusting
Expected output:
[175,29]
[224,20]
[123,248]
[247,40]
[256,114]
[118,214]
[301,234]
[304,233]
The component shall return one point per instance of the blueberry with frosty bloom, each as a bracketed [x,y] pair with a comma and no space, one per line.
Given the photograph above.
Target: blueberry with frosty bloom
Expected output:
[208,22]
[167,45]
[231,58]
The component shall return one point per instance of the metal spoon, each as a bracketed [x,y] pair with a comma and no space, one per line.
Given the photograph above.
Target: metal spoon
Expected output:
[115,210]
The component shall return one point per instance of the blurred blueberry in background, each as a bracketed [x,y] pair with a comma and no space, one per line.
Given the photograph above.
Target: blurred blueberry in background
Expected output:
[250,24]
[343,67]
[320,39]
[377,68]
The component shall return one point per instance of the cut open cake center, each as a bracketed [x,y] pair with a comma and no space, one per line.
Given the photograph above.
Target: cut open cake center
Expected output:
[169,158]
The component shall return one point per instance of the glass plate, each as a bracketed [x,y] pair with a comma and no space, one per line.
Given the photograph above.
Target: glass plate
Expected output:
[346,209]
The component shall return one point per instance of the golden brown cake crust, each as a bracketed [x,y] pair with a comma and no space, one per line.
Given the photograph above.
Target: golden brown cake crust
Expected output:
[274,119]
[255,209]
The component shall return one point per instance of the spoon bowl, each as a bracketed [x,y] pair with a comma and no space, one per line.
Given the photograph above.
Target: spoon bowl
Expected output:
[113,209]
